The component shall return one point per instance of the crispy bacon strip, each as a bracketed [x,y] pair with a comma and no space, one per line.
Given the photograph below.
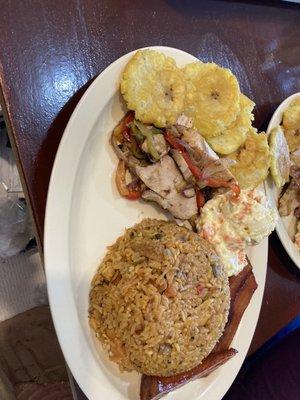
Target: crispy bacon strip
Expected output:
[154,387]
[236,281]
[241,291]
[242,288]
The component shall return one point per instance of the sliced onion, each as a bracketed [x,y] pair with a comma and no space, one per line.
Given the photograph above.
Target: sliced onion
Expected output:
[122,155]
[128,158]
[227,162]
[215,167]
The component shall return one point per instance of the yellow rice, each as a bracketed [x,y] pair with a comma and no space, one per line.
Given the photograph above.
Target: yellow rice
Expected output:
[159,301]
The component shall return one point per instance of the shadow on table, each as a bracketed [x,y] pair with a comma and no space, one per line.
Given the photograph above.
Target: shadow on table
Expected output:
[278,257]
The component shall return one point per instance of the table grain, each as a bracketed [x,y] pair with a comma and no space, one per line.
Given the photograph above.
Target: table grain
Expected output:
[50,51]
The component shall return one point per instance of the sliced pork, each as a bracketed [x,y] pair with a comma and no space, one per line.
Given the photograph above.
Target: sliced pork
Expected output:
[163,177]
[177,204]
[166,184]
[182,165]
[205,157]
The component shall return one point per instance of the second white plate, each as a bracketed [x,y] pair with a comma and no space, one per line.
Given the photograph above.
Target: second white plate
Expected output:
[286,226]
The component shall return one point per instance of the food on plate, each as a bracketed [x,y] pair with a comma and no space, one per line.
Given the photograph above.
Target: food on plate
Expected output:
[235,134]
[297,235]
[154,387]
[289,199]
[173,164]
[242,287]
[291,116]
[160,299]
[212,97]
[168,166]
[168,297]
[230,224]
[291,125]
[289,196]
[280,157]
[252,160]
[293,139]
[159,92]
[154,87]
[295,157]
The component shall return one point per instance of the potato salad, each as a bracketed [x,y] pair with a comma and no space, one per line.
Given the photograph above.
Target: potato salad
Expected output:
[230,224]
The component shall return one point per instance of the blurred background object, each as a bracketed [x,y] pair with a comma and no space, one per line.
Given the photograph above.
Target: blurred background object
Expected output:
[16,229]
[31,362]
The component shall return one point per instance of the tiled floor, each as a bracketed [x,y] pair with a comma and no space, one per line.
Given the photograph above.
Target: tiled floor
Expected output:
[22,284]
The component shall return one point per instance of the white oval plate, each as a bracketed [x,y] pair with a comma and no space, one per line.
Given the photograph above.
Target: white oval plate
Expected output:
[286,226]
[84,215]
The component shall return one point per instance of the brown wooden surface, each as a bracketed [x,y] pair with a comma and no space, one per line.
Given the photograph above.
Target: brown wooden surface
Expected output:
[51,50]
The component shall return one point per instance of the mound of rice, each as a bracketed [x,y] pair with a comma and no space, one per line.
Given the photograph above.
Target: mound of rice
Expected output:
[159,301]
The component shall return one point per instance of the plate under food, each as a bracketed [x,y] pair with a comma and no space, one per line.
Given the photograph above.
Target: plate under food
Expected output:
[84,215]
[286,226]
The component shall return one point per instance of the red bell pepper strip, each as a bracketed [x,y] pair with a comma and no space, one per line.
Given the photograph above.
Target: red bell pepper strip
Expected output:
[214,183]
[125,128]
[200,288]
[178,146]
[121,183]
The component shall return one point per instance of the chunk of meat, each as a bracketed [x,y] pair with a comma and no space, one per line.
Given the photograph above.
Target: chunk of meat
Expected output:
[295,158]
[199,144]
[297,212]
[165,182]
[159,143]
[205,156]
[184,223]
[151,250]
[297,235]
[163,177]
[182,165]
[176,203]
[295,174]
[288,199]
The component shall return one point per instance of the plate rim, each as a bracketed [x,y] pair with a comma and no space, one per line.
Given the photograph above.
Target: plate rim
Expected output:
[281,231]
[49,233]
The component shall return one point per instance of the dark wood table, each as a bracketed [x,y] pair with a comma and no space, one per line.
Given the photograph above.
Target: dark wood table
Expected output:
[50,51]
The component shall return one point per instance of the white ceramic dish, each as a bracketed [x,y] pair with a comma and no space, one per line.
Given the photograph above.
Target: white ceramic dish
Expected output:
[286,226]
[85,214]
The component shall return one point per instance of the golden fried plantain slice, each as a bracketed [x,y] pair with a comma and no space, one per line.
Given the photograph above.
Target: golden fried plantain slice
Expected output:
[235,135]
[252,160]
[291,125]
[291,117]
[292,138]
[154,87]
[280,157]
[213,97]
